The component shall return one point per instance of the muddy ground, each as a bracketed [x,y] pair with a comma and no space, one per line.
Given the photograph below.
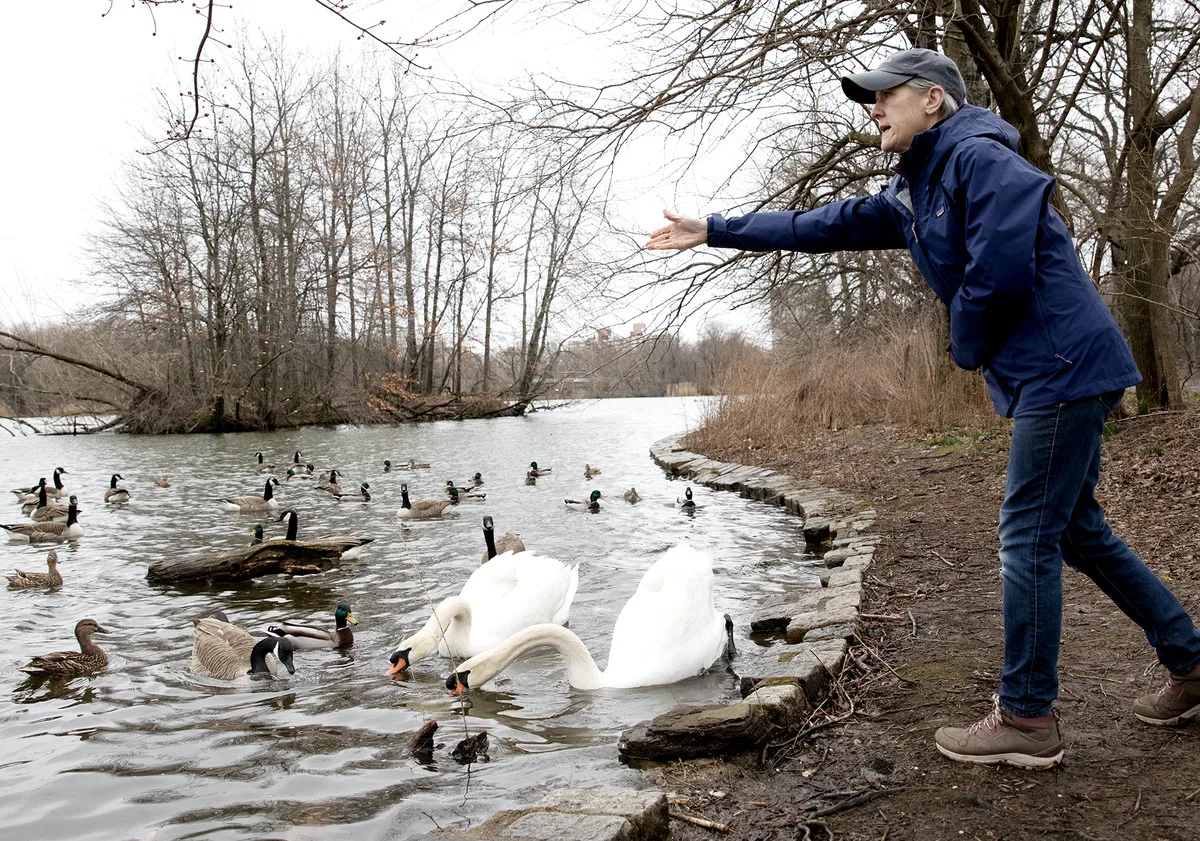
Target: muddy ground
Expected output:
[869,769]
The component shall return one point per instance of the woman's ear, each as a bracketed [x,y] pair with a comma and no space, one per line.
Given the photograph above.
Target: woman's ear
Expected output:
[936,96]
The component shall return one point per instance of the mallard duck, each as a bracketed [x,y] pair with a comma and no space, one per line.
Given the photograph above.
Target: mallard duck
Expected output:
[631,495]
[256,536]
[164,482]
[264,466]
[508,593]
[477,479]
[300,471]
[363,495]
[538,471]
[530,477]
[114,494]
[87,660]
[312,637]
[424,509]
[464,493]
[224,651]
[251,504]
[508,543]
[592,503]
[668,631]
[51,531]
[589,471]
[22,580]
[686,502]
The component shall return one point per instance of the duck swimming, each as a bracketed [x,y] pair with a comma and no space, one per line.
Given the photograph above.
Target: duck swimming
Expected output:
[89,659]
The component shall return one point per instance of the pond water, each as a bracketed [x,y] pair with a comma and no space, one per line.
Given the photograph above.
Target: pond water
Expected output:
[146,750]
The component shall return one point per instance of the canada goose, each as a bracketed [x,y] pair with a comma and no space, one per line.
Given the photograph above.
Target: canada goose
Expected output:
[21,493]
[50,532]
[424,509]
[464,493]
[226,652]
[589,471]
[363,495]
[46,511]
[508,543]
[508,593]
[115,495]
[264,466]
[345,547]
[251,504]
[22,580]
[686,502]
[28,495]
[164,482]
[87,660]
[592,503]
[329,482]
[631,495]
[538,471]
[312,637]
[36,498]
[668,631]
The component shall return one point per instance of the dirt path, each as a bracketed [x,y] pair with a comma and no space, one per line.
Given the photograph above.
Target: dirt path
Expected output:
[875,774]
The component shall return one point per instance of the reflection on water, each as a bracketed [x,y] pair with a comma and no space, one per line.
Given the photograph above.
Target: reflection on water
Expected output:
[146,749]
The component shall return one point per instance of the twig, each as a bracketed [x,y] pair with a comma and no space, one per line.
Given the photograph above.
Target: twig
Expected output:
[943,560]
[883,617]
[914,623]
[857,800]
[702,822]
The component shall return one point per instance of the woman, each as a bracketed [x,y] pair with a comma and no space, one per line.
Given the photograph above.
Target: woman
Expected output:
[977,219]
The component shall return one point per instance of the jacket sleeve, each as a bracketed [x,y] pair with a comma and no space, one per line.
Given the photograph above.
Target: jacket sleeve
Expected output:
[857,224]
[1000,201]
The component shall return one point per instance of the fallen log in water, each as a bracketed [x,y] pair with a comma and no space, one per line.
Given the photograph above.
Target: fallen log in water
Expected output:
[293,557]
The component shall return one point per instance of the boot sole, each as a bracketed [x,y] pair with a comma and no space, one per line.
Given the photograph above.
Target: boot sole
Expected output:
[1169,722]
[1018,760]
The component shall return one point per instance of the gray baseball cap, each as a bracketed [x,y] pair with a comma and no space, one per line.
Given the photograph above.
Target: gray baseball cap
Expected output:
[901,67]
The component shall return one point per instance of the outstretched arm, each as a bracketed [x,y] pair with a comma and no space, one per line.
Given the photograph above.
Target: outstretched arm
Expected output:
[682,232]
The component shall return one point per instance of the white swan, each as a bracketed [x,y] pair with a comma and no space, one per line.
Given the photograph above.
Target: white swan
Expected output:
[508,593]
[668,631]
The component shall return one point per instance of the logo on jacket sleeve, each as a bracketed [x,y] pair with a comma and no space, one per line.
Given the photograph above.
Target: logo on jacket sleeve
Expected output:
[941,210]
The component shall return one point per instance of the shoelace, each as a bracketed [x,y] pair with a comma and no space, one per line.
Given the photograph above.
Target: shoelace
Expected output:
[990,721]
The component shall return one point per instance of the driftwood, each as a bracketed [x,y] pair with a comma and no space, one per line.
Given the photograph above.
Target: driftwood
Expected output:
[294,557]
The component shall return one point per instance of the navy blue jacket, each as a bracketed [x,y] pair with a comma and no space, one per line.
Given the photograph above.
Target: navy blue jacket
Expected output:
[976,217]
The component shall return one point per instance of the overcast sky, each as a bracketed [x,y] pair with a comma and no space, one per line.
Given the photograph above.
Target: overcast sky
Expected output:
[80,87]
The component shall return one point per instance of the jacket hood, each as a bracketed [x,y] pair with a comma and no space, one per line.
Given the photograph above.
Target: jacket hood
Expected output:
[969,121]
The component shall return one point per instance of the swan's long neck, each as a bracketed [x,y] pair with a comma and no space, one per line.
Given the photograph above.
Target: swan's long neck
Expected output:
[582,671]
[451,617]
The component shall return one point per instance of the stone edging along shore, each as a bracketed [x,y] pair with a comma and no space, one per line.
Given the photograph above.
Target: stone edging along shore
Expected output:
[813,629]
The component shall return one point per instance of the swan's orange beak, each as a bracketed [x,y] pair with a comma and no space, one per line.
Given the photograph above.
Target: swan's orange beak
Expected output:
[400,666]
[457,690]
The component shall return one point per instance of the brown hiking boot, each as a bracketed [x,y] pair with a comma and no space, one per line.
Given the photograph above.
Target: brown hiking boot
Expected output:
[1001,739]
[1178,700]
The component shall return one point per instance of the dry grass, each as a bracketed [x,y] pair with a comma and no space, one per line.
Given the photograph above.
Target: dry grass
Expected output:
[899,375]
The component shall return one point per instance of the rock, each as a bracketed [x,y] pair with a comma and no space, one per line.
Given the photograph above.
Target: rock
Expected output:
[421,744]
[690,732]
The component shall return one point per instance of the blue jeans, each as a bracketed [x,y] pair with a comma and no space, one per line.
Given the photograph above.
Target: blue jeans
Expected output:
[1050,514]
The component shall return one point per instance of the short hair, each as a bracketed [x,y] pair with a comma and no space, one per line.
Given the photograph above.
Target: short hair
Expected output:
[949,105]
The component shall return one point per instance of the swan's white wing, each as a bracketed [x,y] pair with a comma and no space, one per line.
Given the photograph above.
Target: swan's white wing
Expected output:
[513,591]
[668,630]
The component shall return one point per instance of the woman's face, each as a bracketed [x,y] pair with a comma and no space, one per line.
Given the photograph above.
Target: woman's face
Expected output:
[902,113]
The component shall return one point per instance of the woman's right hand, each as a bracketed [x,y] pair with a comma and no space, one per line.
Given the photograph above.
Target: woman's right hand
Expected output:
[683,232]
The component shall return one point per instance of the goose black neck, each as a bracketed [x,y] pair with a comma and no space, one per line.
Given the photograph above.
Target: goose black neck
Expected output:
[293,526]
[58,479]
[489,537]
[268,491]
[404,501]
[258,656]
